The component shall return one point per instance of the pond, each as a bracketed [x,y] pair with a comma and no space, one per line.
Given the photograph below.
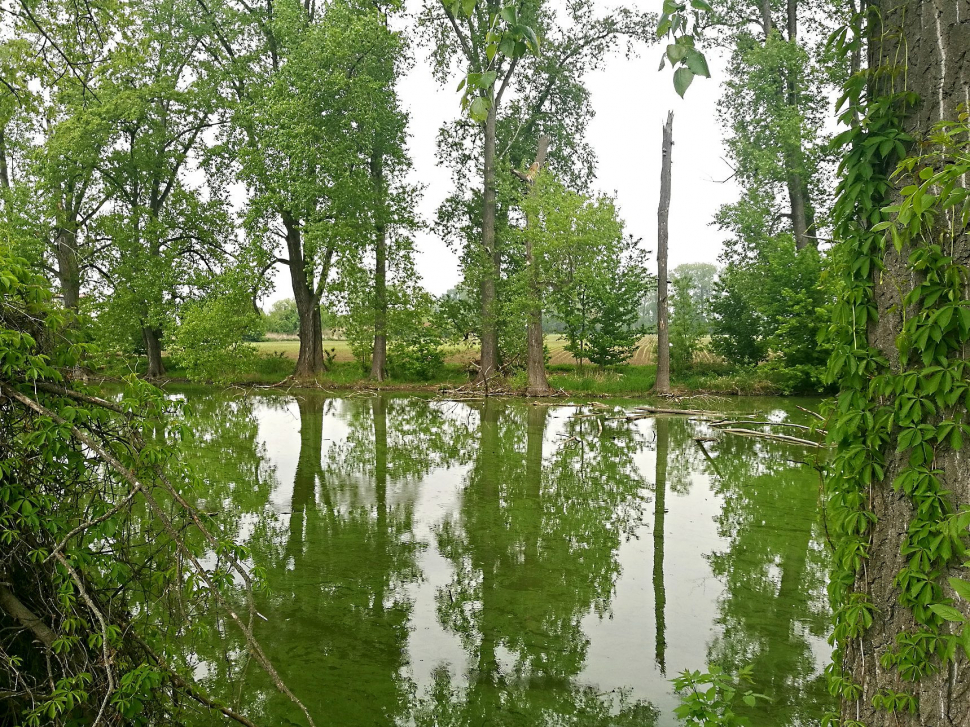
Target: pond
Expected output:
[500,563]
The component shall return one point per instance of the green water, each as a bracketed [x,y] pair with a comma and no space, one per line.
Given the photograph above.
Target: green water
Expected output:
[443,563]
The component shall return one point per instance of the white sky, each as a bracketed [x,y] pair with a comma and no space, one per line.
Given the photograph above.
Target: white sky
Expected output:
[631,100]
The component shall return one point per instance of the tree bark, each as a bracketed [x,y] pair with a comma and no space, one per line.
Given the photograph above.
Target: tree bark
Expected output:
[378,366]
[68,267]
[152,338]
[802,217]
[309,363]
[4,173]
[933,38]
[538,383]
[491,268]
[662,385]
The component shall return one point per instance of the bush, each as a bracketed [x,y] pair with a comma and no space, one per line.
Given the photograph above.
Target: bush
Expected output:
[210,344]
[418,355]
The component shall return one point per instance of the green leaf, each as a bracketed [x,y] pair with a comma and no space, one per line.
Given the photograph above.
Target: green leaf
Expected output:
[479,108]
[683,77]
[697,63]
[947,612]
[676,53]
[508,14]
[962,588]
[701,5]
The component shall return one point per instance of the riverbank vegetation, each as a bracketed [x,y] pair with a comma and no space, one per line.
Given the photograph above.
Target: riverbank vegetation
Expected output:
[160,158]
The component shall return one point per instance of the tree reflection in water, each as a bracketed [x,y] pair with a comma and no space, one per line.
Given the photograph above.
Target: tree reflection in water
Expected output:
[533,547]
[545,506]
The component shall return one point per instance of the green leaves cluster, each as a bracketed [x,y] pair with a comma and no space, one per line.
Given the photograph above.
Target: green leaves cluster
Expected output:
[914,412]
[679,21]
[710,698]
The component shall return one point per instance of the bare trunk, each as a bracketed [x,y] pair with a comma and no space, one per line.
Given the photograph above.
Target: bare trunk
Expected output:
[493,262]
[4,173]
[68,268]
[535,351]
[309,363]
[799,210]
[766,22]
[931,38]
[152,338]
[378,366]
[662,385]
[659,512]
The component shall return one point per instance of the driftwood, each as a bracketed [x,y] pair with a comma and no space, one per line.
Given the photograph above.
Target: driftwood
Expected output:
[774,437]
[812,413]
[769,424]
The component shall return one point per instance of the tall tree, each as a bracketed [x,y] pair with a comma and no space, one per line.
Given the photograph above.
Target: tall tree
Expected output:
[167,233]
[499,50]
[538,384]
[900,482]
[318,137]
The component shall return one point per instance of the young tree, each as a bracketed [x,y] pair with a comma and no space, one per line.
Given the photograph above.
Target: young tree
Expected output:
[591,277]
[687,325]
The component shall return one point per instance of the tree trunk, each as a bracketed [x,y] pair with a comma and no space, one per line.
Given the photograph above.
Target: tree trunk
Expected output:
[932,37]
[309,363]
[662,385]
[378,366]
[535,352]
[4,173]
[152,338]
[659,511]
[491,268]
[68,268]
[802,217]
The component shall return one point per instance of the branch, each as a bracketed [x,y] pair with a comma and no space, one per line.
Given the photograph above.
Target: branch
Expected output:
[12,606]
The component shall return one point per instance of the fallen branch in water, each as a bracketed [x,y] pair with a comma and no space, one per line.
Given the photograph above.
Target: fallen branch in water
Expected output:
[810,412]
[769,424]
[774,437]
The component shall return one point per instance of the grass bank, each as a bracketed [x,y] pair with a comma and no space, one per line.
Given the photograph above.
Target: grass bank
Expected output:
[274,367]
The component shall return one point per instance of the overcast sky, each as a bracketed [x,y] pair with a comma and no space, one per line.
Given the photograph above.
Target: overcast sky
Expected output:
[631,100]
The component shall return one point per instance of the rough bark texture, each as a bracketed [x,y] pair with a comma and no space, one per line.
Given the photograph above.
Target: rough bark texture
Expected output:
[4,174]
[309,363]
[492,267]
[935,40]
[68,267]
[662,386]
[378,367]
[535,353]
[152,338]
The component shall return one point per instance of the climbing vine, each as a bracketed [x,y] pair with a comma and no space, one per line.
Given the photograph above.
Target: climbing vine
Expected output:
[899,416]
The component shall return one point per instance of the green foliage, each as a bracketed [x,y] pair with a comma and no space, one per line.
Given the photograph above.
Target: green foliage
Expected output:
[102,583]
[681,22]
[211,341]
[687,325]
[416,355]
[283,317]
[910,415]
[594,279]
[708,699]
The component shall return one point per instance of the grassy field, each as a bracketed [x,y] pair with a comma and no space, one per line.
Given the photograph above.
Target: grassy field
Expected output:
[460,355]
